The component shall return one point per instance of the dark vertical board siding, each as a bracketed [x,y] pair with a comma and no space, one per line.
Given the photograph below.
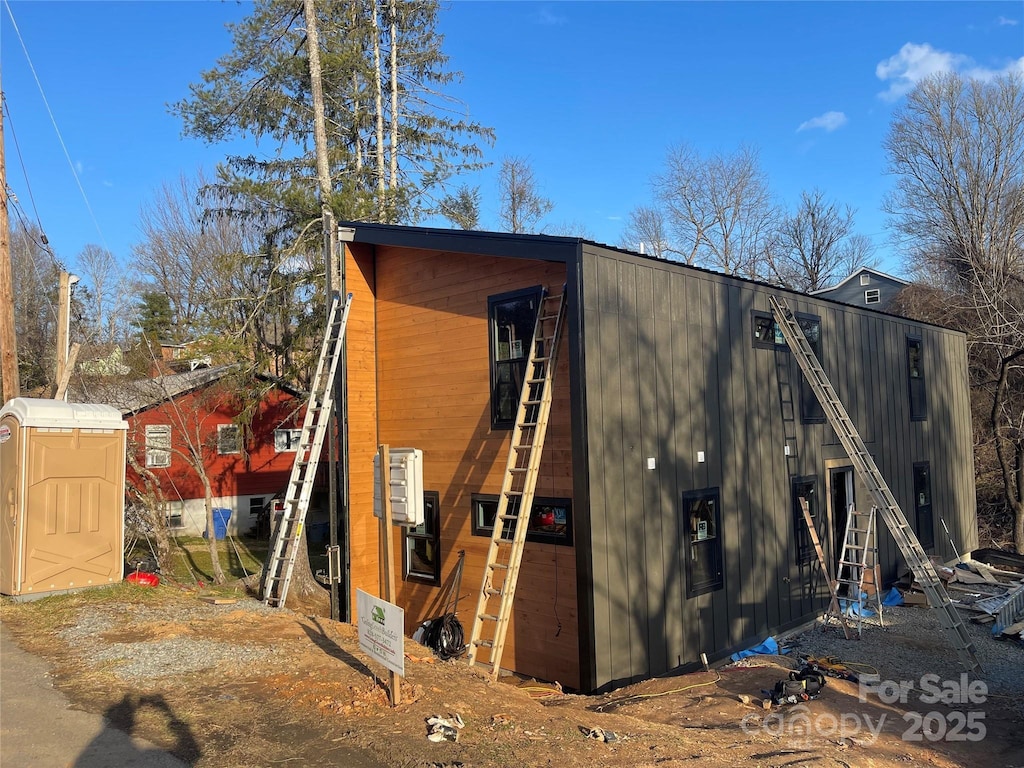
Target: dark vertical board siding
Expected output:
[655,368]
[671,371]
[632,514]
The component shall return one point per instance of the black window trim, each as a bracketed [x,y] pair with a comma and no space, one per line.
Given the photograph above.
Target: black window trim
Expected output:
[536,291]
[805,552]
[429,498]
[695,590]
[478,529]
[918,410]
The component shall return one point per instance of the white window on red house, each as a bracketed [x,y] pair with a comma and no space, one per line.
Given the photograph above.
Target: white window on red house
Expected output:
[229,439]
[287,439]
[158,445]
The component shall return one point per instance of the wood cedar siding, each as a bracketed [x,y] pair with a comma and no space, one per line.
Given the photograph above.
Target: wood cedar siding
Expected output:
[670,370]
[361,369]
[431,356]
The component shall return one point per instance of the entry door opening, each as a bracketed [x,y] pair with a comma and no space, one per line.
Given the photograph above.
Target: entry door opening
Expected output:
[840,499]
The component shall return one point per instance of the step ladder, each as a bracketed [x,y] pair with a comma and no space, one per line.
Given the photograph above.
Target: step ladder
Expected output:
[277,573]
[834,607]
[858,565]
[888,507]
[505,553]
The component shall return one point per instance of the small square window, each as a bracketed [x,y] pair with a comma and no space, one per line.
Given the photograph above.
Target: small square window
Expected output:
[287,440]
[865,279]
[255,505]
[872,296]
[158,445]
[229,439]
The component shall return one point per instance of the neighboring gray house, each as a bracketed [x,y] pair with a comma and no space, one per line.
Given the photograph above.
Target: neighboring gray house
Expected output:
[866,287]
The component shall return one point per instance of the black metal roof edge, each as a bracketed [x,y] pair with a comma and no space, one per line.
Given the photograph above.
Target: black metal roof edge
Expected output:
[552,248]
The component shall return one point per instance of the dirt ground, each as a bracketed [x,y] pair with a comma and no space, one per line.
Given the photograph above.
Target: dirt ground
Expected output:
[306,695]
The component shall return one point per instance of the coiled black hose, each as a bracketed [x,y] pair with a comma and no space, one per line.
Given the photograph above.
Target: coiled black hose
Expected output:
[445,637]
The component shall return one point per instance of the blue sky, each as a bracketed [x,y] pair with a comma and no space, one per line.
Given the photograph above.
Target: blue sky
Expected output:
[593,94]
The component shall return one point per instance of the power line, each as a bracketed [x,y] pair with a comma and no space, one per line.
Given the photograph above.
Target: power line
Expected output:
[53,121]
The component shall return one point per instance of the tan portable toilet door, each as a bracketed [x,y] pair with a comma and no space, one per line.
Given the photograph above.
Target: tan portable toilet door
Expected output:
[10,470]
[74,508]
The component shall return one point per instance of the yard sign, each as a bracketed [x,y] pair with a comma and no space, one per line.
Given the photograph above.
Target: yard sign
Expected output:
[382,631]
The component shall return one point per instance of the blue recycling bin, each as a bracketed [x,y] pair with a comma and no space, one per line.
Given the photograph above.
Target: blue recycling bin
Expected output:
[221,516]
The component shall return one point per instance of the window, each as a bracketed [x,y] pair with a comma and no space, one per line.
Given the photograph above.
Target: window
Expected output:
[872,295]
[228,439]
[287,439]
[421,553]
[158,445]
[766,335]
[811,411]
[865,279]
[512,317]
[255,505]
[805,496]
[550,519]
[915,374]
[702,528]
[174,519]
[923,505]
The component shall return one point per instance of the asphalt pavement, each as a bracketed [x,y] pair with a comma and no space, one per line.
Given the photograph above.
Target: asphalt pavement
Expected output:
[40,728]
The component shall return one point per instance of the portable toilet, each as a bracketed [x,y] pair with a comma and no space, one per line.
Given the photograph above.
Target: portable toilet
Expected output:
[62,489]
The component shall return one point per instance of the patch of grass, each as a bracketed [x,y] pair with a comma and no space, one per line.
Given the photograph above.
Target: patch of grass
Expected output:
[59,610]
[239,557]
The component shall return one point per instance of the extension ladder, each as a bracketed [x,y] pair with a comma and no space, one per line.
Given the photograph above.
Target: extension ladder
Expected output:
[505,553]
[888,507]
[858,563]
[277,574]
[834,607]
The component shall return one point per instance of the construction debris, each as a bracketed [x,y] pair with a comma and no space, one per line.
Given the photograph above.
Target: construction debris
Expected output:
[990,595]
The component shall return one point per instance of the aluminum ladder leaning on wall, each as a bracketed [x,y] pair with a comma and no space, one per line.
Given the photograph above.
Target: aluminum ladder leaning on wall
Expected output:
[883,499]
[277,573]
[505,553]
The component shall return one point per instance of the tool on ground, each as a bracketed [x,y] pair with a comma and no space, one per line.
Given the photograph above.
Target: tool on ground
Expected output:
[801,685]
[888,507]
[505,553]
[277,573]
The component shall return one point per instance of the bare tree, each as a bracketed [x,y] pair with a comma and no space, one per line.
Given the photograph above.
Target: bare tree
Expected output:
[107,316]
[807,252]
[957,150]
[647,232]
[34,277]
[719,208]
[521,204]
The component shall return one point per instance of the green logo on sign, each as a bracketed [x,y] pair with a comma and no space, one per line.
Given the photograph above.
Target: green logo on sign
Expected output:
[377,614]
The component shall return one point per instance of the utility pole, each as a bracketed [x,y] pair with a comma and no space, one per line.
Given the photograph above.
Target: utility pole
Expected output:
[63,327]
[333,264]
[10,381]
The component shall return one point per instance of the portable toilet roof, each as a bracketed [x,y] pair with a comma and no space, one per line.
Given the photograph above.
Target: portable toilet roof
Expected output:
[56,414]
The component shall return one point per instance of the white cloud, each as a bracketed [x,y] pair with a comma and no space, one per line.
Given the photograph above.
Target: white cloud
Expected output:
[915,62]
[828,121]
[79,167]
[1002,21]
[548,18]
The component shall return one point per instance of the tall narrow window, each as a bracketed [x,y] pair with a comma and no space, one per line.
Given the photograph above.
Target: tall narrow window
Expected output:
[805,496]
[923,505]
[512,318]
[703,542]
[810,409]
[915,375]
[158,445]
[229,438]
[422,552]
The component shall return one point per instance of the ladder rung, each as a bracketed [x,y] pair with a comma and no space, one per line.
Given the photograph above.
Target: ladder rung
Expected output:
[485,643]
[498,566]
[493,591]
[508,517]
[488,617]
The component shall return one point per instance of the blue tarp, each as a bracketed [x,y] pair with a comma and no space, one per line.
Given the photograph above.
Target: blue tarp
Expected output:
[895,597]
[768,648]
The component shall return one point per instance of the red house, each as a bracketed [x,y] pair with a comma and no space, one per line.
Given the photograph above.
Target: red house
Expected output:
[176,418]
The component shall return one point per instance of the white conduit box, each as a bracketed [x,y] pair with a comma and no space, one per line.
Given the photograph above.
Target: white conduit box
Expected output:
[406,486]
